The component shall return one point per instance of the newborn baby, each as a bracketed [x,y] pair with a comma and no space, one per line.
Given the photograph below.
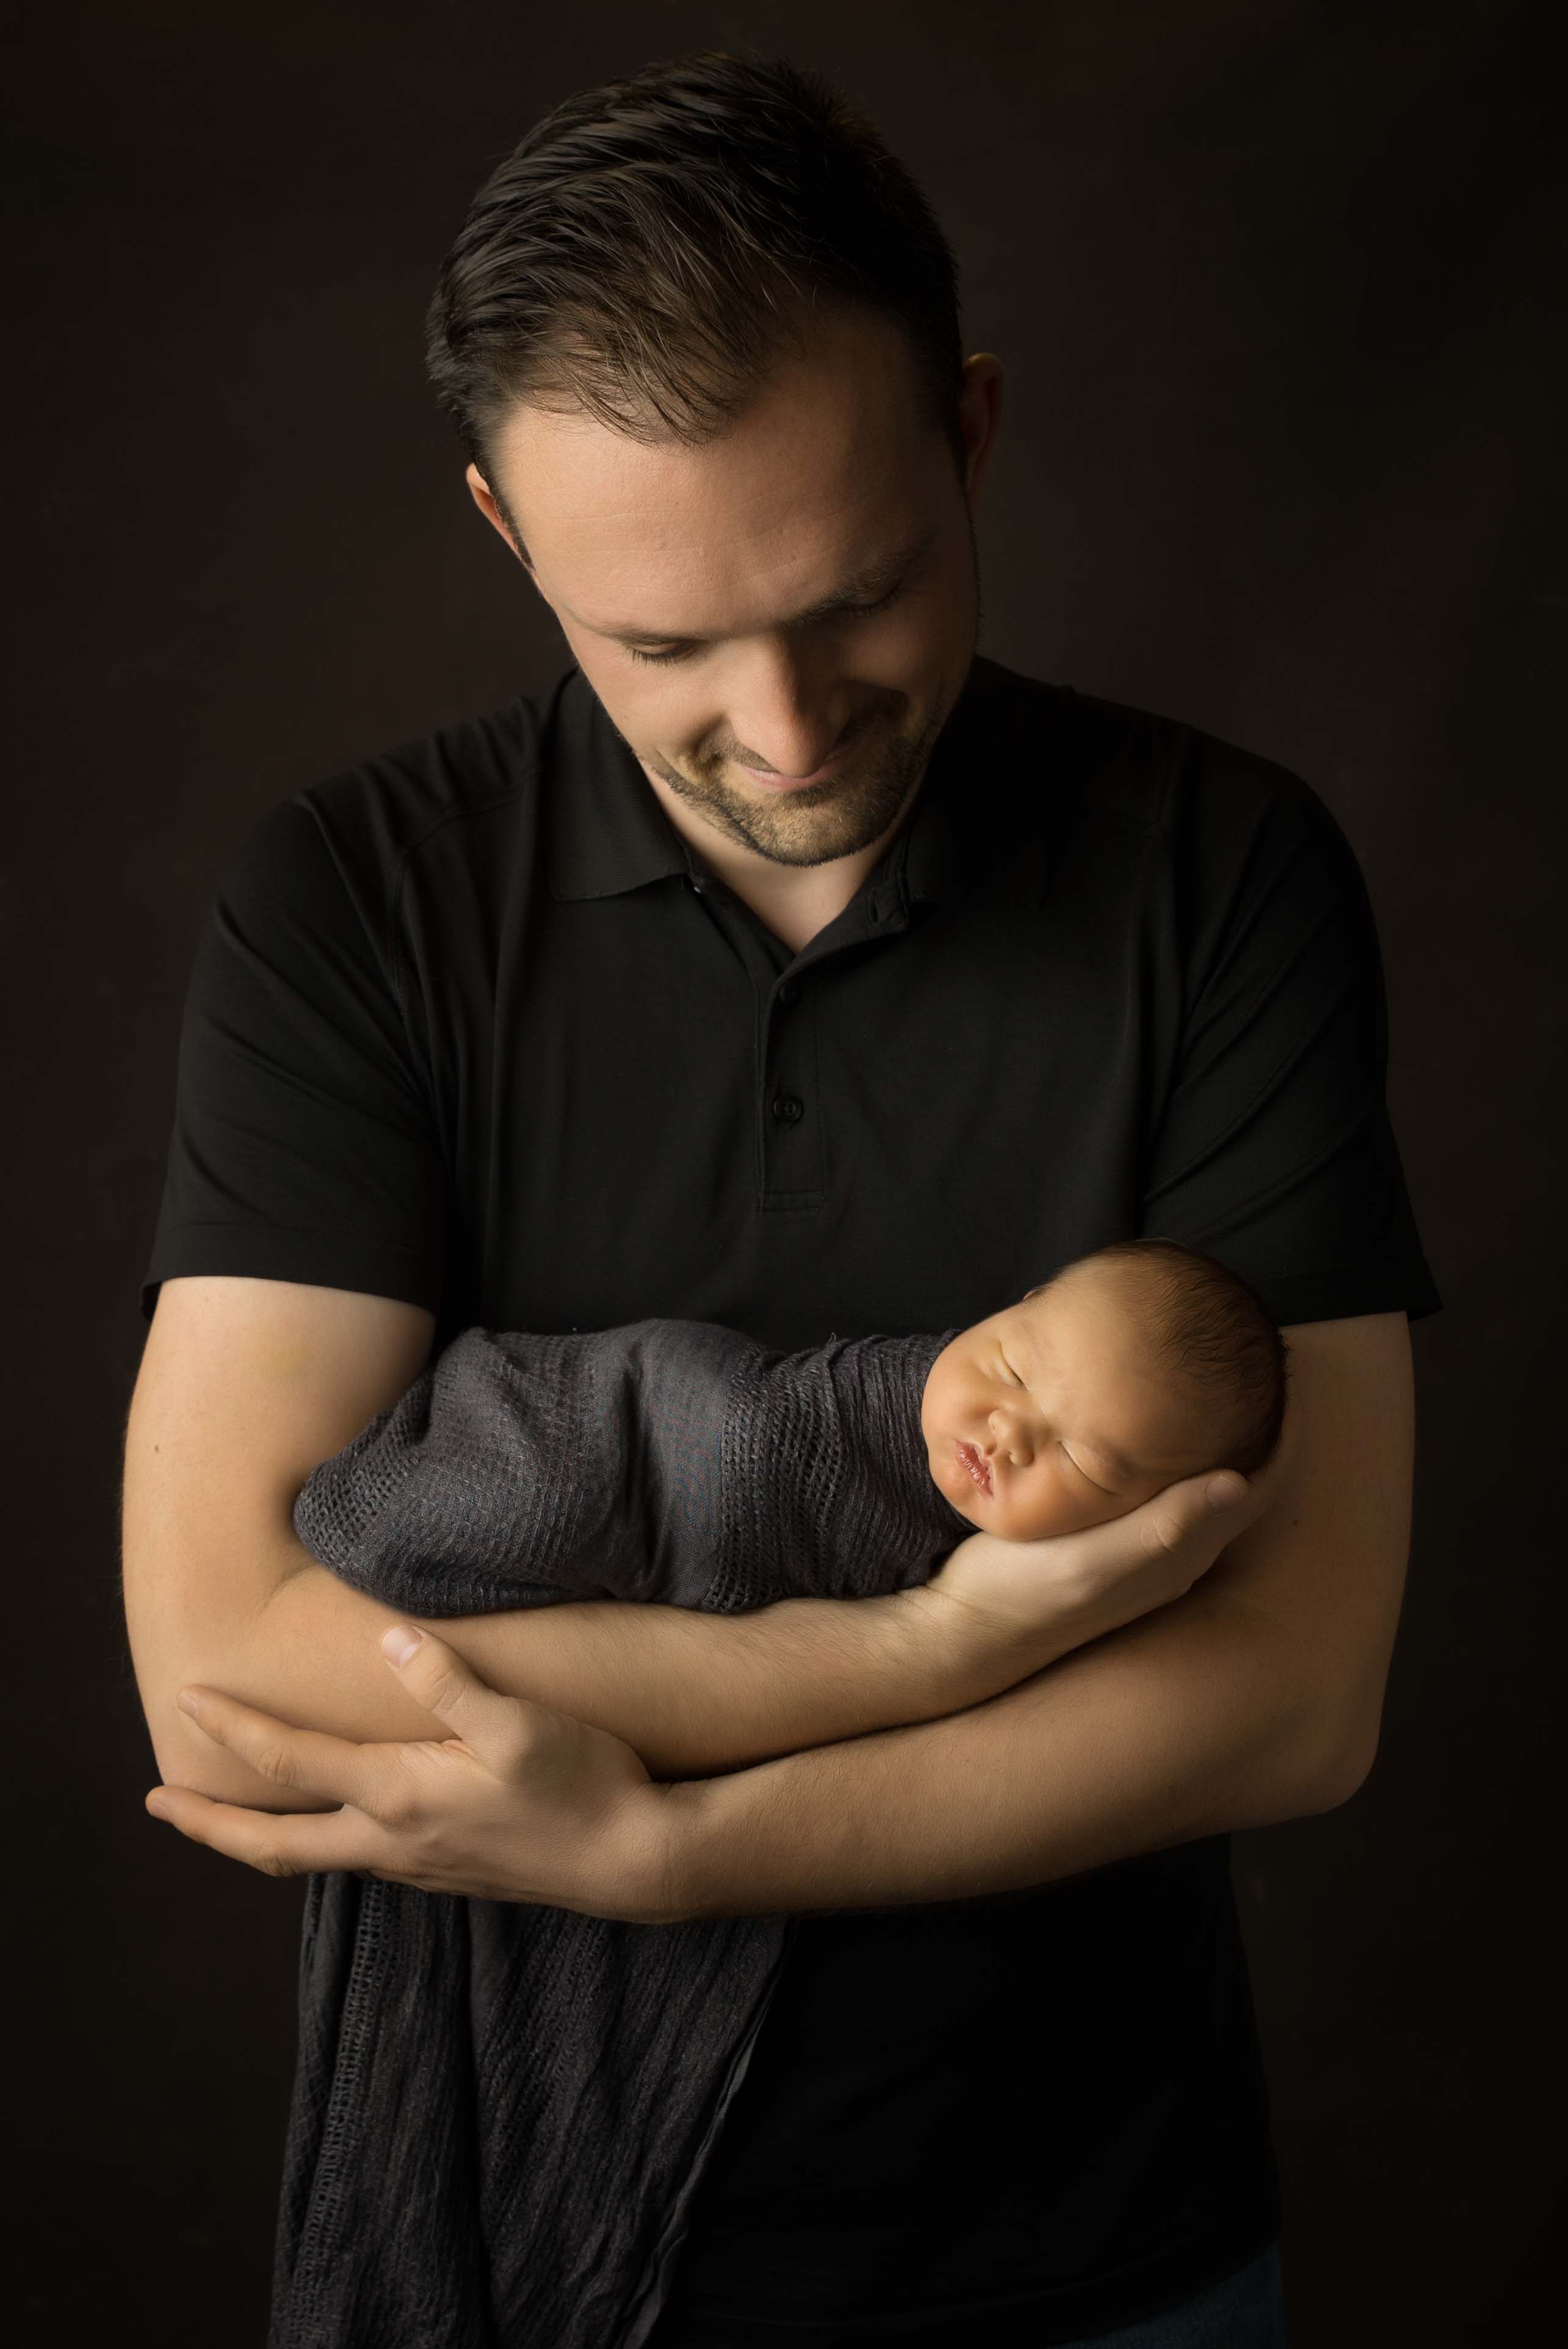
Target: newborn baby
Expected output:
[1133,1368]
[681,1463]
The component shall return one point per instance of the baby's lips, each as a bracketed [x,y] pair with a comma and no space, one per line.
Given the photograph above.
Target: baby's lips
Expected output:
[975,1466]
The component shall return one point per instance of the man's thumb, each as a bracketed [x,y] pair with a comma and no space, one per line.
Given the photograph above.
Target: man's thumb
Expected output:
[1180,1513]
[444,1682]
[504,1732]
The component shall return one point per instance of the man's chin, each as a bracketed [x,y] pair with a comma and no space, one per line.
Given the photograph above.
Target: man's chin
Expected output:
[819,822]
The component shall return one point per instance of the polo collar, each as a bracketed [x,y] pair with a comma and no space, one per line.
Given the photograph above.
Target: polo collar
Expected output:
[607,831]
[978,828]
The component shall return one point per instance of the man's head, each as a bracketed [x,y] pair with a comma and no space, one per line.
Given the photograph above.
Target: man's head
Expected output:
[1132,1367]
[700,338]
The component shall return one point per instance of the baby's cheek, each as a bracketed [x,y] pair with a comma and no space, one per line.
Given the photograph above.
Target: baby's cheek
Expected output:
[1041,1515]
[1054,1509]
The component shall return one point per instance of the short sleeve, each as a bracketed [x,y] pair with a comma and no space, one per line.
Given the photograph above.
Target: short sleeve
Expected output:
[302,1144]
[1273,1150]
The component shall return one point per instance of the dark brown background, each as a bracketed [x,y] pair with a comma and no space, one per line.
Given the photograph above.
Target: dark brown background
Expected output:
[1274,284]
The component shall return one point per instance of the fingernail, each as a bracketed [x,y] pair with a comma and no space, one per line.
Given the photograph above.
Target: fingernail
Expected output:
[188,1702]
[157,1807]
[399,1644]
[1224,1492]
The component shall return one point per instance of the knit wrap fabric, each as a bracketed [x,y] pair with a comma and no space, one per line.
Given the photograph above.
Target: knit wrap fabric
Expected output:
[501,2112]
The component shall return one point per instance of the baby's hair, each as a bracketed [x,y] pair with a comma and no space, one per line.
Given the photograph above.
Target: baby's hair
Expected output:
[1214,1331]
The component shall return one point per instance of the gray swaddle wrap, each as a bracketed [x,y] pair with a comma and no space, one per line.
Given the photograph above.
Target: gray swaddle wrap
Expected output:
[501,2112]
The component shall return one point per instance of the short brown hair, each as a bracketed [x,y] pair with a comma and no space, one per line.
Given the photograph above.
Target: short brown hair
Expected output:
[647,250]
[1213,1330]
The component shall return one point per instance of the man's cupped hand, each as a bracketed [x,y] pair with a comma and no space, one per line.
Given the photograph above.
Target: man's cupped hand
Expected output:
[521,1804]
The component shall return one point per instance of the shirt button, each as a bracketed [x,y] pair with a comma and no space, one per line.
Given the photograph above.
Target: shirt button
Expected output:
[787,992]
[788,1108]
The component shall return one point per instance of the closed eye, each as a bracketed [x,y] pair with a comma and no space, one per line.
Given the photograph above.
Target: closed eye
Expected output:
[864,611]
[846,612]
[661,660]
[1084,1472]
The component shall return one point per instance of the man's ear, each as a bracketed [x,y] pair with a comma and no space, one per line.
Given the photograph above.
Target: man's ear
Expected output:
[980,417]
[482,496]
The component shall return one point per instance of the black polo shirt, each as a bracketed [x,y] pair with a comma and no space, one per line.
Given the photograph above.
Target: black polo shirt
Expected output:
[470,1024]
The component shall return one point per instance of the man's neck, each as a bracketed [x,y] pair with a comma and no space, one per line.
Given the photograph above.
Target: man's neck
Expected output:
[795,900]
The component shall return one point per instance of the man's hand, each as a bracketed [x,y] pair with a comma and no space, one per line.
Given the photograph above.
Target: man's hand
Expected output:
[1075,1588]
[523,1804]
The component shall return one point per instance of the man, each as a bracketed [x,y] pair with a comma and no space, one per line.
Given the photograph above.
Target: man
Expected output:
[702,986]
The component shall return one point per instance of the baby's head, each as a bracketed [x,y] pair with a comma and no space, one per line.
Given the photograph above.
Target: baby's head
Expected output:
[1130,1369]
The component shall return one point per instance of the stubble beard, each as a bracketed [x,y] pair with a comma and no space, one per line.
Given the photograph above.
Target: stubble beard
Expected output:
[820,822]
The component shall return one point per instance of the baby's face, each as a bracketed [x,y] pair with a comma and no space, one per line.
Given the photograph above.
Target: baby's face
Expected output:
[1052,1415]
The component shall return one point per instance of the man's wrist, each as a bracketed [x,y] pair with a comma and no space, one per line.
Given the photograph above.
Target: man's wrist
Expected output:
[662,1872]
[978,1653]
[687,1874]
[897,1658]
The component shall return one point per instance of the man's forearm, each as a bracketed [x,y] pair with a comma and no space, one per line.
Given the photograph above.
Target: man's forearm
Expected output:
[1186,1723]
[692,1693]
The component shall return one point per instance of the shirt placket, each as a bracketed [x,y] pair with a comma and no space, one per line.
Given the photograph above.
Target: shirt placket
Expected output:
[790,1112]
[790,1109]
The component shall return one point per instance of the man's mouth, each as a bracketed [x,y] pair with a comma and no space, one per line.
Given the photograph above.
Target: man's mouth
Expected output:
[975,1465]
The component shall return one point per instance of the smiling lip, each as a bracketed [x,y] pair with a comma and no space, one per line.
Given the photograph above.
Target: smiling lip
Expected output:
[975,1464]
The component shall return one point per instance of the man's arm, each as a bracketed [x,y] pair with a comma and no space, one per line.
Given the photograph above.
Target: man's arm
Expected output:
[246,1385]
[1255,1698]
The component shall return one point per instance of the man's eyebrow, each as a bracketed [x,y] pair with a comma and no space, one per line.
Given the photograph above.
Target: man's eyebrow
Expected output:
[862,587]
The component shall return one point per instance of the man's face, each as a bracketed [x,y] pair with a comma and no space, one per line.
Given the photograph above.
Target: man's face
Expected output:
[777,622]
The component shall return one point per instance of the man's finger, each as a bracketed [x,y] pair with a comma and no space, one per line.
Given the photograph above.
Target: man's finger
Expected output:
[305,1843]
[306,1760]
[1174,1515]
[503,1730]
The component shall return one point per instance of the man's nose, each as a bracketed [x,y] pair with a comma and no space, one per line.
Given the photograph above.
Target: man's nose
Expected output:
[785,718]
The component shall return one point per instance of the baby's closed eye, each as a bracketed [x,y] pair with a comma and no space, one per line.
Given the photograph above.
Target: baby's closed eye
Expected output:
[1083,1472]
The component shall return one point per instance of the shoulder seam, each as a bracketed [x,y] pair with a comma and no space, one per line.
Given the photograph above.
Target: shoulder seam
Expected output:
[439,824]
